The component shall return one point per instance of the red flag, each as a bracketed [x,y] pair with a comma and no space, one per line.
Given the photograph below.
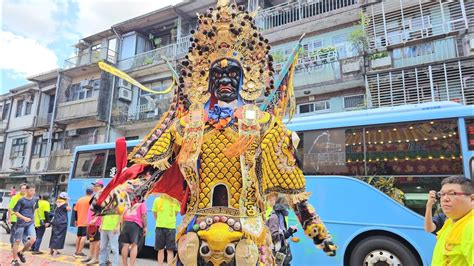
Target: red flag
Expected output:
[120,163]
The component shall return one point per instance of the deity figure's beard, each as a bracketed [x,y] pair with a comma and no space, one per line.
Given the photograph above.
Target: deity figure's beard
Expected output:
[225,76]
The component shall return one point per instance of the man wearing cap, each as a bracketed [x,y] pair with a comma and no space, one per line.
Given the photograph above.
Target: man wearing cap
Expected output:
[41,221]
[93,225]
[80,209]
[109,234]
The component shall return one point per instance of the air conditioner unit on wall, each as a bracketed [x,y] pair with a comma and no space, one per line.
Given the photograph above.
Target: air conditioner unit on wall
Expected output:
[125,94]
[62,179]
[72,133]
[45,135]
[471,44]
[87,84]
[124,84]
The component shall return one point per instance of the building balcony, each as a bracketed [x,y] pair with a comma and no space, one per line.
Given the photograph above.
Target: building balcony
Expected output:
[395,23]
[448,81]
[43,120]
[428,52]
[294,11]
[72,141]
[74,110]
[154,57]
[145,113]
[60,160]
[324,67]
[3,127]
[91,57]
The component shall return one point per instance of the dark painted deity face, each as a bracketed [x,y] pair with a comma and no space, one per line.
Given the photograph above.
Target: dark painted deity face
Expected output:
[224,79]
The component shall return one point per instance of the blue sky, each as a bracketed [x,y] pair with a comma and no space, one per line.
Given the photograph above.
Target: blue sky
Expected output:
[38,35]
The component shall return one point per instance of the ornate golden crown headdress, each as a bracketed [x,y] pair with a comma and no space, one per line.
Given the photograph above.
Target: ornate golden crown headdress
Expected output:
[227,32]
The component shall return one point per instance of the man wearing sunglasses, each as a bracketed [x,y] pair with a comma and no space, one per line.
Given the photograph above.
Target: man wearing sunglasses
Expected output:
[455,242]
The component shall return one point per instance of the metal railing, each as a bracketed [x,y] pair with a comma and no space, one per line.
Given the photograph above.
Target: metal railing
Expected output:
[145,112]
[153,57]
[427,52]
[90,57]
[392,23]
[451,81]
[290,12]
[71,142]
[44,120]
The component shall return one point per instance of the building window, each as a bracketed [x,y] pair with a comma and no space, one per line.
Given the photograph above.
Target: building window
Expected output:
[6,110]
[344,48]
[29,105]
[77,92]
[314,107]
[18,148]
[39,146]
[19,108]
[354,101]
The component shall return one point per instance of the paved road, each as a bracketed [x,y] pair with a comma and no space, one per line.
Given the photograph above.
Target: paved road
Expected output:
[65,258]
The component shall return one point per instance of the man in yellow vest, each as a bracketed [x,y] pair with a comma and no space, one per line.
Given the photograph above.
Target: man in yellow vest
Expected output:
[455,245]
[11,213]
[41,221]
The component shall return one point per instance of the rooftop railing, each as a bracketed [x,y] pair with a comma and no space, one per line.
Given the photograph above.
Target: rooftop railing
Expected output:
[294,11]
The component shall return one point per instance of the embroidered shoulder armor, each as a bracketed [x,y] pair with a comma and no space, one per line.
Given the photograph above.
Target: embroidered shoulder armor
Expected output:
[279,170]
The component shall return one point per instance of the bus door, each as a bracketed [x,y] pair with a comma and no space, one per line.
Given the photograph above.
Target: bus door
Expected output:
[467,137]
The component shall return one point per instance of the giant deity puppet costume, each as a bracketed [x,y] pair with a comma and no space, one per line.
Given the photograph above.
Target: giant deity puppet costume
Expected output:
[217,153]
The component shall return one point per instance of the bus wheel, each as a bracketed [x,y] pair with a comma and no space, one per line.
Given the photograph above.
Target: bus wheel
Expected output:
[381,251]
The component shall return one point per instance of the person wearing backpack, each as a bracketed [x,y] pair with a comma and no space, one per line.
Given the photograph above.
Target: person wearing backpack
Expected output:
[280,231]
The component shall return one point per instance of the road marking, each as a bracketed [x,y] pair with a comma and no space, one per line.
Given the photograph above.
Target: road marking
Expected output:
[70,260]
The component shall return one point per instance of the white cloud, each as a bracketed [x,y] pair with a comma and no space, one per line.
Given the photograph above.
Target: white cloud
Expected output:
[99,15]
[24,56]
[32,19]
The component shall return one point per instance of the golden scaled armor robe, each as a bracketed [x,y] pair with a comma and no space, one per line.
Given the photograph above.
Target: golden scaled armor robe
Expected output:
[221,192]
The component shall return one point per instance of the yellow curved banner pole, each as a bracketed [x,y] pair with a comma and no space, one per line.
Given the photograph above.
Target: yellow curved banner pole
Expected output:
[116,72]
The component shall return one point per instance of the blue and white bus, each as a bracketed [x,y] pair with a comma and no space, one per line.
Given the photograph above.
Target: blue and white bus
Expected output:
[414,147]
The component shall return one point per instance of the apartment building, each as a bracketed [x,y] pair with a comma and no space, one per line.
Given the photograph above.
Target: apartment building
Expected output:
[143,43]
[412,51]
[421,51]
[19,108]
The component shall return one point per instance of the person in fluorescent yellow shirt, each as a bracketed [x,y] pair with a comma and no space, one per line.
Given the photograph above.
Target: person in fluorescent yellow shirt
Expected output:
[11,213]
[455,244]
[41,221]
[165,210]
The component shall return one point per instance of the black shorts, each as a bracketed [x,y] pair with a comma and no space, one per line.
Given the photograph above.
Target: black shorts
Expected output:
[165,239]
[82,231]
[130,233]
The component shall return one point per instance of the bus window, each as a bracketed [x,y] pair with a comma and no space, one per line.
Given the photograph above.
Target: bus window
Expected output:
[421,148]
[89,164]
[470,133]
[110,167]
[332,152]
